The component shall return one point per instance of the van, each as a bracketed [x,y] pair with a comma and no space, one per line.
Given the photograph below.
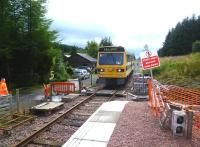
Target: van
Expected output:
[81,73]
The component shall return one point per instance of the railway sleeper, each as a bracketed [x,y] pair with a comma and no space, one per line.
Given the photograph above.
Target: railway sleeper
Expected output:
[75,122]
[46,143]
[81,114]
[75,117]
[84,108]
[93,102]
[89,110]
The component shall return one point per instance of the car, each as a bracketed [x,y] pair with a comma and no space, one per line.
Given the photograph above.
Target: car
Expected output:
[81,73]
[85,67]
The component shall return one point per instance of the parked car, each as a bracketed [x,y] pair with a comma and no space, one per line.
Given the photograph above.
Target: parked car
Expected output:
[85,67]
[81,73]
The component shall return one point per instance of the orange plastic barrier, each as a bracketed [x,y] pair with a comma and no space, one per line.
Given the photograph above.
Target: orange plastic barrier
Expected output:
[58,88]
[155,99]
[47,90]
[184,98]
[62,87]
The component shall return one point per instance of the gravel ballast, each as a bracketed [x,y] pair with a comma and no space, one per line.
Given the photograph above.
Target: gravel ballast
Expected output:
[137,127]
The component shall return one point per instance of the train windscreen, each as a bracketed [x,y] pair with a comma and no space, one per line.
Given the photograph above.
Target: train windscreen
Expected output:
[110,58]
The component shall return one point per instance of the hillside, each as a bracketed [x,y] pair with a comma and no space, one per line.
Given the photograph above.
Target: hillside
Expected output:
[179,70]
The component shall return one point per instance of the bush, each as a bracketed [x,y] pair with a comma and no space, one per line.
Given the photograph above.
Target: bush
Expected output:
[196,46]
[180,70]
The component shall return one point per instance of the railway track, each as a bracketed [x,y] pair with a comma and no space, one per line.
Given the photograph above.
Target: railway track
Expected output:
[60,129]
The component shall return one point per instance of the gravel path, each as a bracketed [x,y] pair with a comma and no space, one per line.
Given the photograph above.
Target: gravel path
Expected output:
[137,127]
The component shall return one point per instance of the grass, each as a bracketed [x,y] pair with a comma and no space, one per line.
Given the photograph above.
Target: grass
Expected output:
[179,70]
[28,90]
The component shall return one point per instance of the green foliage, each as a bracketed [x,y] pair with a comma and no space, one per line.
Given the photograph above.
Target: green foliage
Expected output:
[180,70]
[59,70]
[196,46]
[26,44]
[69,69]
[92,48]
[106,41]
[179,39]
[68,48]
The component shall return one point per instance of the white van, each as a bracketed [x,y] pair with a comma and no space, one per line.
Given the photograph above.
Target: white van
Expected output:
[81,73]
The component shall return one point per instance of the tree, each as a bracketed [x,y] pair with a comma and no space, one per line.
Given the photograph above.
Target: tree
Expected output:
[26,42]
[92,48]
[196,46]
[106,41]
[179,39]
[59,69]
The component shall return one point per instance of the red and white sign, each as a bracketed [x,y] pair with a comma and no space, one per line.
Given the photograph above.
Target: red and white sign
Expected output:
[149,59]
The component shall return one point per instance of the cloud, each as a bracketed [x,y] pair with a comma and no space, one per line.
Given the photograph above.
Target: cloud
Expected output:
[79,34]
[129,23]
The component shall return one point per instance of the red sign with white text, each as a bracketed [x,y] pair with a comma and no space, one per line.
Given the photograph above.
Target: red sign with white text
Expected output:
[149,59]
[150,62]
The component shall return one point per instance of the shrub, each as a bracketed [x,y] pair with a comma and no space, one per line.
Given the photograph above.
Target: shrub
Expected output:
[196,46]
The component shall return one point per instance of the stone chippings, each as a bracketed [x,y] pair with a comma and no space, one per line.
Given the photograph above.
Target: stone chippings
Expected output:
[21,132]
[137,127]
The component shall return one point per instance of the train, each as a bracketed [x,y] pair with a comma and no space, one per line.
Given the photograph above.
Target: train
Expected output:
[114,65]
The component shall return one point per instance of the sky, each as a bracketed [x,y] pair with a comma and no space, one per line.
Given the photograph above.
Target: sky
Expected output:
[129,23]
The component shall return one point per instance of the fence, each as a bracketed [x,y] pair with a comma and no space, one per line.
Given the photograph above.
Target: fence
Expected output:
[58,88]
[5,104]
[140,86]
[178,97]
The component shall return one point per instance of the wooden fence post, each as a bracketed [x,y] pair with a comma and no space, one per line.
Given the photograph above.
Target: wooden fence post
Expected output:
[18,100]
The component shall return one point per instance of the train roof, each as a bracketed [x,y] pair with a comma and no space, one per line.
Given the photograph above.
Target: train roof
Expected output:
[111,47]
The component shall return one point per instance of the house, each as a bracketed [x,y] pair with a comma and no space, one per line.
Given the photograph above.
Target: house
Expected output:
[80,59]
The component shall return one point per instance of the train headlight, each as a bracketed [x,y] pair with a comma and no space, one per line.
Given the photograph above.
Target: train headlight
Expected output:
[120,70]
[100,70]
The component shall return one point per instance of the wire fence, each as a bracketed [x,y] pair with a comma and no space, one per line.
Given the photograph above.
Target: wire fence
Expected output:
[178,97]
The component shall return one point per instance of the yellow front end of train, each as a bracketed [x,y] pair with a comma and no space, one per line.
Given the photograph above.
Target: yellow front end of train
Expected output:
[113,63]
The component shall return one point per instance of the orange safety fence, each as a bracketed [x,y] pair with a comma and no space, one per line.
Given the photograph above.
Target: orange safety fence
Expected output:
[155,100]
[184,98]
[59,88]
[47,90]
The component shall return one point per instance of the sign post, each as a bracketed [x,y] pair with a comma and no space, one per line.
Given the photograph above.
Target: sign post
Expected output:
[149,59]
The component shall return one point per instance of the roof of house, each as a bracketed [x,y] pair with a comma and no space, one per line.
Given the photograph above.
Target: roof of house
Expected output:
[91,59]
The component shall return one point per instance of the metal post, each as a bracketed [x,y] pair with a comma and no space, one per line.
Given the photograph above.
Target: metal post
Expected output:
[151,74]
[17,96]
[11,111]
[189,119]
[80,86]
[142,82]
[91,78]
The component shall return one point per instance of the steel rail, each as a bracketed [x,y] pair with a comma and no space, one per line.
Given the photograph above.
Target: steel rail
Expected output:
[32,136]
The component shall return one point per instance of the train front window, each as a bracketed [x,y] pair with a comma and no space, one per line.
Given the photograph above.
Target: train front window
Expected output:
[110,58]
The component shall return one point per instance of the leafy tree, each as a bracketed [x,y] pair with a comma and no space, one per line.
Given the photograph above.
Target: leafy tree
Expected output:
[59,70]
[106,41]
[179,39]
[73,52]
[92,48]
[68,48]
[26,44]
[196,46]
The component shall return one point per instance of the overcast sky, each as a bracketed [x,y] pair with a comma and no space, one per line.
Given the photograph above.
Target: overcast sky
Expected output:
[129,23]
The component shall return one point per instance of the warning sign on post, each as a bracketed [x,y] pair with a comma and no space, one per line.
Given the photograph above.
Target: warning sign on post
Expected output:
[149,59]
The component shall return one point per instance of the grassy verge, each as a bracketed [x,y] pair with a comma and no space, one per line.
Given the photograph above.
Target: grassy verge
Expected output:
[180,70]
[27,90]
